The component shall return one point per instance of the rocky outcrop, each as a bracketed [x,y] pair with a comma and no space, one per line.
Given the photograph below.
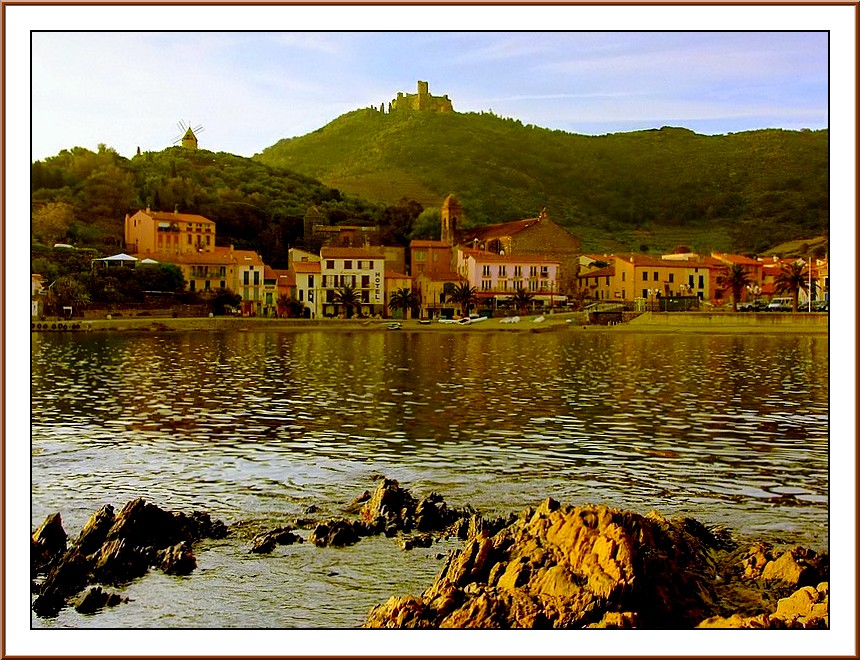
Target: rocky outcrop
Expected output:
[591,566]
[113,549]
[265,543]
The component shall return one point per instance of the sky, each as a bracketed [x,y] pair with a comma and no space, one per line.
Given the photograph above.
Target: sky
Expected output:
[250,89]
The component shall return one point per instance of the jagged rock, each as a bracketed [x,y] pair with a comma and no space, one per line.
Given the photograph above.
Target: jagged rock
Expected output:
[95,598]
[47,544]
[417,541]
[116,548]
[565,566]
[808,607]
[356,504]
[337,533]
[796,566]
[177,559]
[118,562]
[96,529]
[390,502]
[266,542]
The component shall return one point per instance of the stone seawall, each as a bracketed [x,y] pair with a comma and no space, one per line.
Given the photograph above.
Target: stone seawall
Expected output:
[813,322]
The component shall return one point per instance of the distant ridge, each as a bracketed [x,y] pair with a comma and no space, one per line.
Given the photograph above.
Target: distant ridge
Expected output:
[641,190]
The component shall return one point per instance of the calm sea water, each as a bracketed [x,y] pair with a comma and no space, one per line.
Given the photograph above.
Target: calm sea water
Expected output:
[254,427]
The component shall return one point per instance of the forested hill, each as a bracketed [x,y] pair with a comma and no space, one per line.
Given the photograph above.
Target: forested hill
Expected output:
[647,189]
[81,197]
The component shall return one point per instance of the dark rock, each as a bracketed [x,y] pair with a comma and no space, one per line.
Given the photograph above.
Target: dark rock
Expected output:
[336,533]
[96,529]
[49,603]
[47,544]
[355,505]
[266,542]
[115,549]
[95,598]
[119,562]
[313,508]
[418,541]
[391,502]
[177,560]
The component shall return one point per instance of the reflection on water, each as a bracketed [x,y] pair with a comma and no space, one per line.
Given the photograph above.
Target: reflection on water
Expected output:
[258,425]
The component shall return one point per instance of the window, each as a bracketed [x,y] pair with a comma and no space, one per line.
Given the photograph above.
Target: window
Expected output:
[701,281]
[420,255]
[222,284]
[607,280]
[256,277]
[246,278]
[358,265]
[207,286]
[329,264]
[692,284]
[370,265]
[656,276]
[365,281]
[347,265]
[644,293]
[486,285]
[533,285]
[311,281]
[485,271]
[324,278]
[518,271]
[301,295]
[671,278]
[503,272]
[624,276]
[544,271]
[435,256]
[644,276]
[532,271]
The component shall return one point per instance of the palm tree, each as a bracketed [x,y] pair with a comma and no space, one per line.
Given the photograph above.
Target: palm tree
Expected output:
[522,299]
[348,297]
[464,295]
[403,299]
[289,306]
[792,279]
[735,278]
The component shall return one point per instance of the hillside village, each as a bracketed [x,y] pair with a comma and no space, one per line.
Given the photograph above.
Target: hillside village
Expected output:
[528,265]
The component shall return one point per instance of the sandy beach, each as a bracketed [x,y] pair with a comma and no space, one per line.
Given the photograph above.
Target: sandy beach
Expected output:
[679,322]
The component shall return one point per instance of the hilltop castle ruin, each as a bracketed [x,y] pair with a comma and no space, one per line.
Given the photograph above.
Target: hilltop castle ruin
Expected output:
[421,101]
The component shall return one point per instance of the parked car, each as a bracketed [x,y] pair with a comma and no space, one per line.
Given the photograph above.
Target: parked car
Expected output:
[821,306]
[779,305]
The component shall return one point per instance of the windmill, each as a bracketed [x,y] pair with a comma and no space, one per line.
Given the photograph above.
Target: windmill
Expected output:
[187,135]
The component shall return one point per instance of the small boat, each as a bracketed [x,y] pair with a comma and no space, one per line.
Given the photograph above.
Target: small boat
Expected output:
[395,326]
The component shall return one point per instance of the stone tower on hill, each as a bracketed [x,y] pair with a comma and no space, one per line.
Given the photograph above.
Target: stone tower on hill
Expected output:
[422,101]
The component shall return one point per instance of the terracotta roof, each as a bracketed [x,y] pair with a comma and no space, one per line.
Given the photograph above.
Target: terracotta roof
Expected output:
[349,253]
[481,256]
[500,230]
[306,266]
[651,262]
[427,244]
[395,275]
[736,259]
[441,277]
[609,271]
[185,217]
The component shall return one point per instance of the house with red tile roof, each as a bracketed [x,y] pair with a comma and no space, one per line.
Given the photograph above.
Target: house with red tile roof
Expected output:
[154,233]
[497,277]
[363,269]
[434,291]
[306,275]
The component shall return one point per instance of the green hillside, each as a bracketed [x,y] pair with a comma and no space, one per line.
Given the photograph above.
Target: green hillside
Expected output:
[81,197]
[647,190]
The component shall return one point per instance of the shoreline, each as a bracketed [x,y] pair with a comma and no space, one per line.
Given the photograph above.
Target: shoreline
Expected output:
[673,323]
